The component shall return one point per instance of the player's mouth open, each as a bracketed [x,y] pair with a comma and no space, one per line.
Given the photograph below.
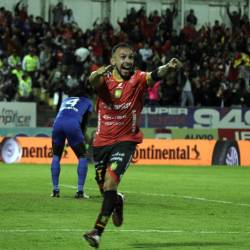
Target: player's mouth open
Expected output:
[126,69]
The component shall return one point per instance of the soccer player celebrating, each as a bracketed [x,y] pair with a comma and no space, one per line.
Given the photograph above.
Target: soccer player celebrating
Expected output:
[71,123]
[121,91]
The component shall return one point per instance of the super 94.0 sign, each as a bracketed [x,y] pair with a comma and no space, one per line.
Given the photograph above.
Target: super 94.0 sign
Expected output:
[17,114]
[162,117]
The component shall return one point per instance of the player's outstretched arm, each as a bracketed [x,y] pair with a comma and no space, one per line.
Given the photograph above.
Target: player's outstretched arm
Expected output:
[96,77]
[163,70]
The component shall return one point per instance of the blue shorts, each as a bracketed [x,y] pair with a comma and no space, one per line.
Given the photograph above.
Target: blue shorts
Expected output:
[67,129]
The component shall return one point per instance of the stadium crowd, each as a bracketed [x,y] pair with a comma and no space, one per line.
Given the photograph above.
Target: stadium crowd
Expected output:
[41,61]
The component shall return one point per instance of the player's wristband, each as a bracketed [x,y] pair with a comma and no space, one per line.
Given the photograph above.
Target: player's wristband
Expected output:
[159,73]
[155,76]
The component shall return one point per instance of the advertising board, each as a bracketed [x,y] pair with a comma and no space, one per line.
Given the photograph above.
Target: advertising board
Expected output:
[150,152]
[17,114]
[195,117]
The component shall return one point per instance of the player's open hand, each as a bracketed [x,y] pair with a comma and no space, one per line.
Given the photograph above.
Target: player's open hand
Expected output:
[174,63]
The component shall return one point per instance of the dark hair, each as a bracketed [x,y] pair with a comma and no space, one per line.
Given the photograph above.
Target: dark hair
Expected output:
[121,45]
[80,90]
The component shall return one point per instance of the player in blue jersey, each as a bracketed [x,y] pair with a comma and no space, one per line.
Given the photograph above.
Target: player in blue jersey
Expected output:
[71,123]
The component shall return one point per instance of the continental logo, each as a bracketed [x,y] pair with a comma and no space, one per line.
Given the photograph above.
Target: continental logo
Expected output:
[177,153]
[40,152]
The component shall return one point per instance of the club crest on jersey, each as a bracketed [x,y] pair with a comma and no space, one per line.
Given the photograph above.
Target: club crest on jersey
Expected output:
[118,93]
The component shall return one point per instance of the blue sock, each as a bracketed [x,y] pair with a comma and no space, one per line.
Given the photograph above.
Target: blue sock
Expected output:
[55,172]
[82,170]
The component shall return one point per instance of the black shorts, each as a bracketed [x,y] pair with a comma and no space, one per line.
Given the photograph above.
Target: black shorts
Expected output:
[116,157]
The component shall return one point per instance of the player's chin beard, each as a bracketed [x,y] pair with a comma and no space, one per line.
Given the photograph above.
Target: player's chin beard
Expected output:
[125,77]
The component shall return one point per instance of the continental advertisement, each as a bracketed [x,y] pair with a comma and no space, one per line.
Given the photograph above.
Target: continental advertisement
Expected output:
[151,152]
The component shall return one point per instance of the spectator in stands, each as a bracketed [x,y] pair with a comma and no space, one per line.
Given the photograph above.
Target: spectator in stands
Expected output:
[68,16]
[8,87]
[235,17]
[191,18]
[45,57]
[237,93]
[31,63]
[167,20]
[19,32]
[169,92]
[21,10]
[56,85]
[81,57]
[242,63]
[146,54]
[17,72]
[58,14]
[25,88]
[14,59]
[186,81]
[31,66]
[153,98]
[246,96]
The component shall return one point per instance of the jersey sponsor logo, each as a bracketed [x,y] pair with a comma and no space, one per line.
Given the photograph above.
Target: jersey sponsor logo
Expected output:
[121,106]
[114,123]
[116,117]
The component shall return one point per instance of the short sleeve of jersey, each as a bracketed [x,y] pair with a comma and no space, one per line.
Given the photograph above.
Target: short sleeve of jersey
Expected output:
[141,77]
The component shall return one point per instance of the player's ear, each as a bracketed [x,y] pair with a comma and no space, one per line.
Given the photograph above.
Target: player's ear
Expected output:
[112,61]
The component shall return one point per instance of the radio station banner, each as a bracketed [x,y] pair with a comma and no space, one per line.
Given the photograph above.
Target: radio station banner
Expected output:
[203,134]
[17,114]
[150,152]
[195,117]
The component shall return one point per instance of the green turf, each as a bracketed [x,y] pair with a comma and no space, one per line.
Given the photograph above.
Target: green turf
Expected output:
[166,208]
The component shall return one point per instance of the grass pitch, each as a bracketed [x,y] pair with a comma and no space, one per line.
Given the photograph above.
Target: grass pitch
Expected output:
[166,208]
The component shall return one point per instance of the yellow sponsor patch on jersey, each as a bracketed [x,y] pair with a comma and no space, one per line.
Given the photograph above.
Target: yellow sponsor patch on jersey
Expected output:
[118,93]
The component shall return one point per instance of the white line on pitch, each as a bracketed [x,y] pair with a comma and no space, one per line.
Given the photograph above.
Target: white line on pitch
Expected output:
[121,230]
[175,196]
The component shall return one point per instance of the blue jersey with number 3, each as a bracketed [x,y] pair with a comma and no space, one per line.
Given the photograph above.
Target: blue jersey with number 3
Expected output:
[68,120]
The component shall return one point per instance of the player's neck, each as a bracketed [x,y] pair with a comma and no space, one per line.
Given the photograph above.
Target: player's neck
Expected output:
[117,76]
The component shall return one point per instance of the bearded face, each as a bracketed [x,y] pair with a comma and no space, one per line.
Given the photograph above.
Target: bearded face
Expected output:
[123,61]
